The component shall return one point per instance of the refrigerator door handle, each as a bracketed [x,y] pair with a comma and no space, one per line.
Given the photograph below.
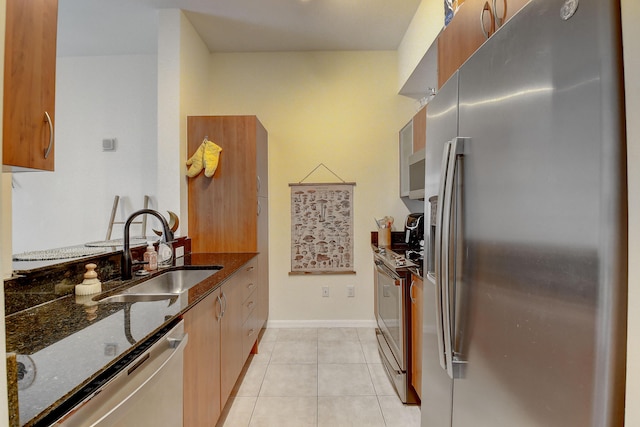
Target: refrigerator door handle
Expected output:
[449,282]
[439,276]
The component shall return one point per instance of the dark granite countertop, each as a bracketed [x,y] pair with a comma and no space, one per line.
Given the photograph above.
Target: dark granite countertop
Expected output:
[64,343]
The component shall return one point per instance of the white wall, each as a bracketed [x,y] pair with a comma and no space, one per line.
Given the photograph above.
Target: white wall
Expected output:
[96,98]
[184,79]
[336,108]
[631,44]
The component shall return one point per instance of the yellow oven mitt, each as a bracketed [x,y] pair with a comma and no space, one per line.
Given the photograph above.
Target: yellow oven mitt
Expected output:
[195,162]
[211,158]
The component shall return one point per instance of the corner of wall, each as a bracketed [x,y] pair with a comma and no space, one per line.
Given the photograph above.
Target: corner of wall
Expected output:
[5,244]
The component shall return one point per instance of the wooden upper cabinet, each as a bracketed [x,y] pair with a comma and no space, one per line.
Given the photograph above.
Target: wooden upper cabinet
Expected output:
[462,37]
[29,84]
[472,25]
[420,129]
[505,9]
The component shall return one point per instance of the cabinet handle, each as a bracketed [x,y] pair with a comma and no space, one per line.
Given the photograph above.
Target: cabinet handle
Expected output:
[251,332]
[413,300]
[485,8]
[250,305]
[219,316]
[259,183]
[498,20]
[47,118]
[224,309]
[251,286]
[259,208]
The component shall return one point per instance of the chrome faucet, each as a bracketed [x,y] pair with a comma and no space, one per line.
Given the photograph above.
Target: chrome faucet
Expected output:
[127,262]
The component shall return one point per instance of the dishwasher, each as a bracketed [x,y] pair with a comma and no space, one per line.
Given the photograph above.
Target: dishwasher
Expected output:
[143,389]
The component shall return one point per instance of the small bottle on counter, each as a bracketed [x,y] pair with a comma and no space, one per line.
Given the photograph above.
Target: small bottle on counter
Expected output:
[151,258]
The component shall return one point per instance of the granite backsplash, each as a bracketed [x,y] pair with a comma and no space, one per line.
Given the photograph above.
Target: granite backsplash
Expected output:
[29,288]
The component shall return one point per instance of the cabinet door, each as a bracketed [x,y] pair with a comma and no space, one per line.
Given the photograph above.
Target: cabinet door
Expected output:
[263,262]
[223,209]
[463,36]
[202,363]
[505,9]
[420,129]
[417,287]
[405,150]
[230,337]
[29,84]
[262,161]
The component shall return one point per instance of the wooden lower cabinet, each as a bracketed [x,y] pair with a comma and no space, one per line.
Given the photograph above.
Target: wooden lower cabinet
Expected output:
[220,340]
[251,321]
[231,360]
[417,288]
[202,363]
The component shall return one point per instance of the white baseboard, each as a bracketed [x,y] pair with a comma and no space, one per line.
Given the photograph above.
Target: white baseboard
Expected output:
[321,323]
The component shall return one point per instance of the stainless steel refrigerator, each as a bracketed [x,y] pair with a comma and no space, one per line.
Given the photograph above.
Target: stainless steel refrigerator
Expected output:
[526,278]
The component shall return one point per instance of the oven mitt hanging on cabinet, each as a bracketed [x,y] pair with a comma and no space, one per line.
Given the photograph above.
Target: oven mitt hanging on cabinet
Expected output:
[195,162]
[211,158]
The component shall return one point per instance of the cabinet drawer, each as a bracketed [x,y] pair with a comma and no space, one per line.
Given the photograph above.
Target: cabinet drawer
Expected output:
[250,332]
[248,278]
[249,305]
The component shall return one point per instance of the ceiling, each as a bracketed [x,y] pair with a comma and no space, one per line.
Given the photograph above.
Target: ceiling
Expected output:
[116,27]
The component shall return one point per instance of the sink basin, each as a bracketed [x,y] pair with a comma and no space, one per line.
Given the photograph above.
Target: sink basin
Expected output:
[137,298]
[172,282]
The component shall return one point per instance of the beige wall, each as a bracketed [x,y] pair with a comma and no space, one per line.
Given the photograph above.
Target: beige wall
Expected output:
[631,44]
[336,108]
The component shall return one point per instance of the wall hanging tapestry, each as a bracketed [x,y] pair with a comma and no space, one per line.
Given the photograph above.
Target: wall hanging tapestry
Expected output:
[322,227]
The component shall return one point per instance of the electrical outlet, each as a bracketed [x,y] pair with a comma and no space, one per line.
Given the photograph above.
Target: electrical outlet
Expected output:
[325,291]
[351,291]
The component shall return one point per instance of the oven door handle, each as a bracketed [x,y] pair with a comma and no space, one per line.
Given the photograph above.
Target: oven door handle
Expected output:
[382,268]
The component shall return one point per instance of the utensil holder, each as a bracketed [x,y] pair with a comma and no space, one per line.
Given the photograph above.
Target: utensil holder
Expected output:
[384,237]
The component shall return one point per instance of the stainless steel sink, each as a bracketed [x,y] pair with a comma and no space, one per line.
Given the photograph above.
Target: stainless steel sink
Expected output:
[172,282]
[137,298]
[165,286]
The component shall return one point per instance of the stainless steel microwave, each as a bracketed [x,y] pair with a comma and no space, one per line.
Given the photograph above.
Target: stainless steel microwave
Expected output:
[416,175]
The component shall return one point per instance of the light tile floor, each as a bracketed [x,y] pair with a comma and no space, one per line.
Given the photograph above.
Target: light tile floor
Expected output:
[325,377]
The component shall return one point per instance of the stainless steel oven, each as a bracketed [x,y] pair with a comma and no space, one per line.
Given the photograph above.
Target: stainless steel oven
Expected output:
[393,319]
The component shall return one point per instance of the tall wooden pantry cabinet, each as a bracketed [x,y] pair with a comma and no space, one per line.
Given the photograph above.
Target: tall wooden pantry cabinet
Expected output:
[229,211]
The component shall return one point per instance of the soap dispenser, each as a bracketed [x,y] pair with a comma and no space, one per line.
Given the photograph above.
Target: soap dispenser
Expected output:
[150,258]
